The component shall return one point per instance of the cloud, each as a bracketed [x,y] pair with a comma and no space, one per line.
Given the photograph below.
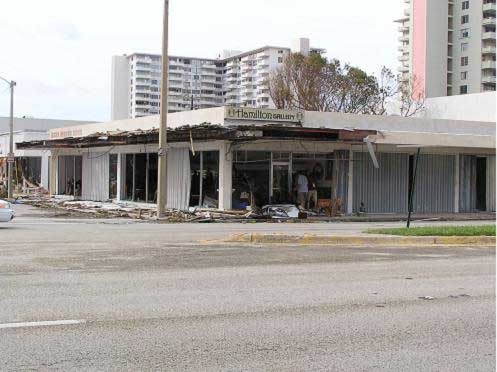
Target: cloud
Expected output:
[61,29]
[57,29]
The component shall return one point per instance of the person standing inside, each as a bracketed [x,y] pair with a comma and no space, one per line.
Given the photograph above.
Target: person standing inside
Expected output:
[312,195]
[302,190]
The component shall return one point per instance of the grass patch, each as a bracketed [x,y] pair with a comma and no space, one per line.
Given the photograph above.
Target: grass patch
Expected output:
[484,230]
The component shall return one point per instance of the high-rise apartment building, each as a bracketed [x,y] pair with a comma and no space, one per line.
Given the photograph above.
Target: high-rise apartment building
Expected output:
[447,47]
[234,79]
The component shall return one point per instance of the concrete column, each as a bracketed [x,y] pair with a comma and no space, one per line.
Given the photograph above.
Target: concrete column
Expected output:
[120,176]
[225,176]
[44,169]
[54,162]
[456,185]
[350,185]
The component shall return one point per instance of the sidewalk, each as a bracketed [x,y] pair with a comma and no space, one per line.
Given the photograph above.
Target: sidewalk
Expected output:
[363,240]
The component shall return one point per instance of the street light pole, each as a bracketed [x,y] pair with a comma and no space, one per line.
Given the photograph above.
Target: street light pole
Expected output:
[162,153]
[10,155]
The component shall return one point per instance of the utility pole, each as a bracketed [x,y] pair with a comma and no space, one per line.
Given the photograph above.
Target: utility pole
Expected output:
[10,155]
[413,187]
[162,153]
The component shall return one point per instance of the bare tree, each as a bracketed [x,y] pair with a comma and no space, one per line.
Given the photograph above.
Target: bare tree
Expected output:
[315,84]
[411,97]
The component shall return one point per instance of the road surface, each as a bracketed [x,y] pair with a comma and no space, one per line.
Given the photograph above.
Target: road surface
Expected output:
[85,295]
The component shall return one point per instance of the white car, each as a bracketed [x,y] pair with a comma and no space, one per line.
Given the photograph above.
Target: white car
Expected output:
[6,211]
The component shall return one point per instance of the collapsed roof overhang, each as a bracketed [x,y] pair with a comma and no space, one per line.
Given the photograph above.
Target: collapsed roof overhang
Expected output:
[205,132]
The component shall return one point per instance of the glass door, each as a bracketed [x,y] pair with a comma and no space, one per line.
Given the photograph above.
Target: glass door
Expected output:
[281,190]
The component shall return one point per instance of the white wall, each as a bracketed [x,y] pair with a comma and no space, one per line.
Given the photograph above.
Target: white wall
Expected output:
[119,88]
[474,46]
[474,107]
[212,115]
[436,48]
[22,136]
[37,124]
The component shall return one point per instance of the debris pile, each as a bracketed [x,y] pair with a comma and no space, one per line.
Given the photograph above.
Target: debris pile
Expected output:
[142,211]
[91,209]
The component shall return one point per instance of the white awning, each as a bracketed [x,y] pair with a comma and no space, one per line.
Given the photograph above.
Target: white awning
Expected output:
[424,139]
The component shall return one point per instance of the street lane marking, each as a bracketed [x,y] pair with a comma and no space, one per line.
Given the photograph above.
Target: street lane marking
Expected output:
[40,324]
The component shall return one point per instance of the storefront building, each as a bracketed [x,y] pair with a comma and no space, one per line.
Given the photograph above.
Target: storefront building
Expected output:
[232,158]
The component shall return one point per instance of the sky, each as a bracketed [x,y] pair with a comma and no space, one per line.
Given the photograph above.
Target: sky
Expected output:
[59,51]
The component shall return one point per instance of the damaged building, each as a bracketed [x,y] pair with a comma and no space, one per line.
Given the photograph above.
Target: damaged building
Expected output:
[229,158]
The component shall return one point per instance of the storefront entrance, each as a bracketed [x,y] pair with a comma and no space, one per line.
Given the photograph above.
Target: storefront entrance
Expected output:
[69,175]
[261,178]
[281,183]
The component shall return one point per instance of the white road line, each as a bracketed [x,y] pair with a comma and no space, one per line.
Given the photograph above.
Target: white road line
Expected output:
[40,324]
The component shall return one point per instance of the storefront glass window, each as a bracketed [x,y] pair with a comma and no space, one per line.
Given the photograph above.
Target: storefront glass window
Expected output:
[152,177]
[70,172]
[112,176]
[251,170]
[129,169]
[204,187]
[140,177]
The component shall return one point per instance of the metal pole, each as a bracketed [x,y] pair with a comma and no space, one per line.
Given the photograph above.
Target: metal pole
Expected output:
[413,186]
[10,157]
[162,161]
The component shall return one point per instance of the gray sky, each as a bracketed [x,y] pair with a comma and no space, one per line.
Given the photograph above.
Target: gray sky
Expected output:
[59,51]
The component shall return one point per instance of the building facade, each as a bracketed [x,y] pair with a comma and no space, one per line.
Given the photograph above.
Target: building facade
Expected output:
[231,158]
[447,47]
[30,166]
[235,79]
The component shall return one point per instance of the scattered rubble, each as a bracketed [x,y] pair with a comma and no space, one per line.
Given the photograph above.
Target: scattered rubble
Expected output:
[78,208]
[426,298]
[65,206]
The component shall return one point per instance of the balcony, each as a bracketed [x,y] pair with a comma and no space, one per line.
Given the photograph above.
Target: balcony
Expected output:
[174,99]
[142,106]
[488,65]
[403,28]
[488,50]
[247,82]
[174,84]
[489,7]
[232,101]
[403,58]
[142,89]
[488,36]
[403,69]
[263,63]
[489,21]
[489,79]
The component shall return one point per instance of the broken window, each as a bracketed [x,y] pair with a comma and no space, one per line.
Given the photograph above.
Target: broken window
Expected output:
[481,184]
[251,172]
[69,175]
[204,190]
[130,174]
[29,170]
[152,177]
[195,179]
[113,176]
[140,177]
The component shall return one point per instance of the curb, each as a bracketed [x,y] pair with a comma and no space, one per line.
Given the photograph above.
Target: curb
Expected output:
[309,239]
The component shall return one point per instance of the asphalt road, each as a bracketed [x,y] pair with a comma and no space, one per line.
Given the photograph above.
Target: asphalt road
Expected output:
[135,296]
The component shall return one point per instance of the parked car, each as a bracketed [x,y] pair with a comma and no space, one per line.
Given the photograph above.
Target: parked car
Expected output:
[6,211]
